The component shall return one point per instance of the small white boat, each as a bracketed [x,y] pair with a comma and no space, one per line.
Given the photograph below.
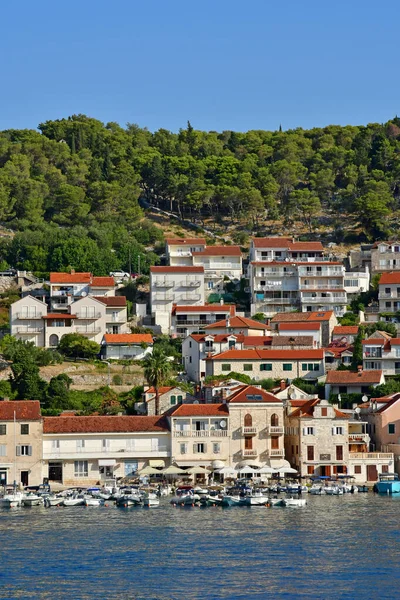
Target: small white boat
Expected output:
[317,490]
[334,490]
[32,499]
[78,500]
[257,500]
[11,500]
[54,501]
[151,500]
[275,502]
[90,501]
[294,502]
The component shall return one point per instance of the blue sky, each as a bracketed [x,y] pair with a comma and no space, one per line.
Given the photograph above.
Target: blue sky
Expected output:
[222,64]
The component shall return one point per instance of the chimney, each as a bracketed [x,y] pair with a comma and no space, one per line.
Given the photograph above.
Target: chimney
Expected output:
[221,301]
[5,399]
[72,271]
[282,385]
[228,322]
[335,406]
[359,369]
[224,393]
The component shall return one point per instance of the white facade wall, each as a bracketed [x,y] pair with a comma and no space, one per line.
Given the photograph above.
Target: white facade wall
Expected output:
[389,297]
[280,369]
[26,322]
[357,282]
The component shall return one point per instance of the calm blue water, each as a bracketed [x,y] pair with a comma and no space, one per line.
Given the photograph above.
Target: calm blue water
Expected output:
[336,547]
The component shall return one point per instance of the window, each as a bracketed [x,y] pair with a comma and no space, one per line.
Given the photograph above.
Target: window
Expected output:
[247,367]
[24,450]
[287,366]
[81,468]
[310,470]
[199,448]
[391,428]
[304,367]
[172,400]
[357,469]
[310,452]
[180,399]
[216,448]
[3,450]
[342,389]
[266,367]
[337,430]
[183,448]
[339,452]
[105,445]
[55,444]
[274,420]
[231,344]
[226,367]
[308,431]
[80,444]
[351,283]
[248,420]
[274,442]
[210,285]
[387,290]
[324,412]
[292,449]
[385,468]
[190,344]
[297,449]
[388,305]
[3,429]
[24,429]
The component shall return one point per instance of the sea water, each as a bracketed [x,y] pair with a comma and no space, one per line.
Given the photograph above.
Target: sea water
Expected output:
[336,547]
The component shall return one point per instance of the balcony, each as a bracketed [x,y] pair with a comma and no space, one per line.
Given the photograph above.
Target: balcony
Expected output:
[249,452]
[275,272]
[360,438]
[25,316]
[163,297]
[200,434]
[163,284]
[317,299]
[276,452]
[89,332]
[371,455]
[192,297]
[249,430]
[324,272]
[224,266]
[111,319]
[183,253]
[27,330]
[275,430]
[100,453]
[189,284]
[59,305]
[64,293]
[394,295]
[195,322]
[373,354]
[321,287]
[87,317]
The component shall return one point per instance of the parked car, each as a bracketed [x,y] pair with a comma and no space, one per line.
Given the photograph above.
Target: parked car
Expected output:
[119,275]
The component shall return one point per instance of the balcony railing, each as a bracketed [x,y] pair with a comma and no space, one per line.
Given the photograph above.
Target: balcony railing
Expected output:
[163,297]
[324,272]
[194,322]
[190,284]
[371,455]
[324,299]
[183,253]
[249,452]
[321,287]
[275,429]
[200,434]
[191,296]
[60,305]
[85,331]
[163,284]
[27,330]
[359,437]
[276,452]
[249,430]
[23,316]
[278,272]
[376,354]
[393,295]
[92,317]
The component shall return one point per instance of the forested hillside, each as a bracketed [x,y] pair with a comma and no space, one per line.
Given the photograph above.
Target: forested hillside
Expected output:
[71,191]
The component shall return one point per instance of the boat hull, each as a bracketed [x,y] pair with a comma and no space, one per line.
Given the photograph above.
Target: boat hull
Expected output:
[388,487]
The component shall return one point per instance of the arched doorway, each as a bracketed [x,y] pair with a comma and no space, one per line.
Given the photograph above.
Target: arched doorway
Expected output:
[248,420]
[274,420]
[53,340]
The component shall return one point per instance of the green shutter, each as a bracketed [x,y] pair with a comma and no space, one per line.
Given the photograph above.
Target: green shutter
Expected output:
[247,367]
[304,367]
[287,367]
[225,367]
[173,399]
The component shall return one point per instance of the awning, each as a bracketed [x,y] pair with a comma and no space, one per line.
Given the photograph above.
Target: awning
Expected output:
[248,463]
[107,462]
[157,463]
[278,464]
[218,464]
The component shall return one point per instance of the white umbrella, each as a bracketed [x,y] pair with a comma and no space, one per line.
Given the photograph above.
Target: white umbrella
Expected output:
[173,470]
[285,470]
[248,470]
[198,471]
[226,471]
[266,470]
[149,471]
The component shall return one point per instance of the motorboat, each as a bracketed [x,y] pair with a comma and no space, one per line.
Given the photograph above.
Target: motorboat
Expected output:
[275,501]
[32,499]
[75,500]
[295,488]
[317,490]
[388,483]
[151,499]
[130,498]
[91,501]
[294,501]
[185,496]
[334,490]
[53,501]
[257,499]
[11,499]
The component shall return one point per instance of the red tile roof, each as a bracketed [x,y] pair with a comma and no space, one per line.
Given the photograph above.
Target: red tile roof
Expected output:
[269,355]
[288,340]
[242,396]
[201,410]
[128,338]
[299,326]
[258,341]
[272,242]
[353,378]
[25,410]
[213,308]
[223,337]
[111,300]
[219,251]
[374,342]
[307,410]
[161,390]
[337,351]
[186,242]
[294,317]
[305,246]
[386,406]
[167,269]
[100,424]
[392,277]
[70,277]
[237,322]
[102,282]
[58,316]
[345,330]
[395,341]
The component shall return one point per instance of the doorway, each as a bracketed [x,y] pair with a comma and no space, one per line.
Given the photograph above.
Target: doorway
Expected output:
[3,477]
[325,471]
[372,473]
[25,478]
[55,471]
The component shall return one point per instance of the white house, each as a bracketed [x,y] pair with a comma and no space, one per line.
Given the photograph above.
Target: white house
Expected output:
[126,345]
[65,288]
[219,262]
[179,251]
[186,320]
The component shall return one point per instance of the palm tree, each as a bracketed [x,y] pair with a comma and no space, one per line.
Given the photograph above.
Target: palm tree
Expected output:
[156,371]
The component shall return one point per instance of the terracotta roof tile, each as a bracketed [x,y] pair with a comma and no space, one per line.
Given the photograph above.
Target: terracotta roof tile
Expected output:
[269,355]
[100,424]
[272,242]
[204,410]
[299,326]
[102,282]
[287,340]
[128,338]
[345,330]
[242,396]
[323,315]
[219,251]
[168,269]
[111,300]
[70,277]
[186,241]
[257,341]
[354,378]
[213,308]
[305,246]
[392,277]
[161,390]
[59,316]
[237,322]
[25,410]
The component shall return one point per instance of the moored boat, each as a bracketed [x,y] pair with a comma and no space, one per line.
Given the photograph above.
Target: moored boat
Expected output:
[294,502]
[32,499]
[389,483]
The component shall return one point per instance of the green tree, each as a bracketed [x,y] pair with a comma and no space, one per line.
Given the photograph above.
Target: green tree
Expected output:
[357,358]
[76,345]
[157,369]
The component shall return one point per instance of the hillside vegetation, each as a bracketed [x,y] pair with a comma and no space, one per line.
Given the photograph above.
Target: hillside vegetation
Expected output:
[71,191]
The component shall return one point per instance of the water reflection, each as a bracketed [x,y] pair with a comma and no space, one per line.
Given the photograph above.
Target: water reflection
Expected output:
[342,547]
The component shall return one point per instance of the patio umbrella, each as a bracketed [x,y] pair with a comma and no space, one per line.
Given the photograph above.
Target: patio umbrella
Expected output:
[285,470]
[266,470]
[248,470]
[227,471]
[173,470]
[149,471]
[198,471]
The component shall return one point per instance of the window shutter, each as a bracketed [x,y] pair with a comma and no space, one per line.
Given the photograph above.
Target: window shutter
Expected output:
[29,450]
[333,431]
[18,451]
[205,448]
[304,430]
[195,448]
